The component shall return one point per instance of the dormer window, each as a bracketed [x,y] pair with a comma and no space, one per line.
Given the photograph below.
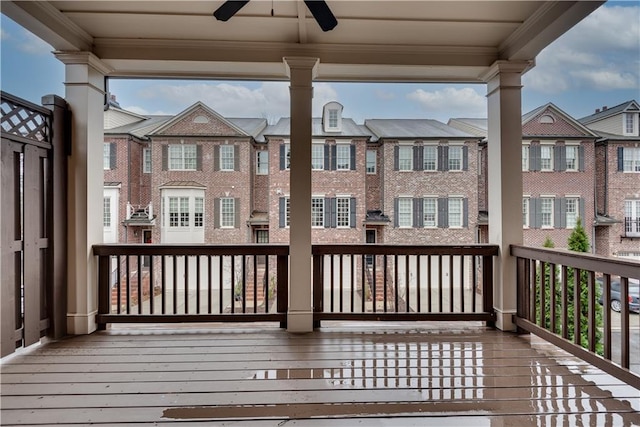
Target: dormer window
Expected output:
[332,117]
[547,119]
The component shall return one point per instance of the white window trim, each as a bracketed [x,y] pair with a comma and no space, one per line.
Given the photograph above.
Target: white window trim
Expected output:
[527,222]
[461,199]
[221,216]
[527,145]
[553,207]
[146,152]
[348,198]
[435,198]
[434,145]
[222,159]
[410,198]
[343,145]
[455,145]
[106,156]
[258,163]
[375,163]
[321,197]
[635,159]
[287,148]
[577,199]
[551,160]
[316,144]
[195,166]
[577,158]
[410,147]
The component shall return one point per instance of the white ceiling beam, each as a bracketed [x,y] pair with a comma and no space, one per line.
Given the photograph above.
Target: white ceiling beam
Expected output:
[302,22]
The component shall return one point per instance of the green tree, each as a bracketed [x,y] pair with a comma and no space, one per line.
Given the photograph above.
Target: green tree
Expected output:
[579,242]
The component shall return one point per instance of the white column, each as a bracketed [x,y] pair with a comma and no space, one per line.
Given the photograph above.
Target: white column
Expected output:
[505,180]
[84,92]
[300,315]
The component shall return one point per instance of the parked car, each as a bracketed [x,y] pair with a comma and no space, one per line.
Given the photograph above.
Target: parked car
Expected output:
[616,303]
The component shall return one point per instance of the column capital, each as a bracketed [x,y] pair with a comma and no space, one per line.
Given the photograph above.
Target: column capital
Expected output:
[502,67]
[83,58]
[300,62]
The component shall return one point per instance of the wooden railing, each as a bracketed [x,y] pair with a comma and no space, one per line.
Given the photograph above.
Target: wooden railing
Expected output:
[401,282]
[194,283]
[565,298]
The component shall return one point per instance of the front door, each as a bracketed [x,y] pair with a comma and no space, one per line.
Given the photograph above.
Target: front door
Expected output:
[370,237]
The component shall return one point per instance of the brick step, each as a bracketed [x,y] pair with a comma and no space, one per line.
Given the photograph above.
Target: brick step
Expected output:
[133,286]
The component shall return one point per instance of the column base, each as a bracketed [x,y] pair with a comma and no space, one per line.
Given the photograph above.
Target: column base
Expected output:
[300,322]
[81,324]
[505,320]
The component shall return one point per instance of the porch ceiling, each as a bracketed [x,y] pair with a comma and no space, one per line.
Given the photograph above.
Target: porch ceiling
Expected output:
[381,40]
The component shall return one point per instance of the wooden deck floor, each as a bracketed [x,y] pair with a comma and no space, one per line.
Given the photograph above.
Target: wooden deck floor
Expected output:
[360,375]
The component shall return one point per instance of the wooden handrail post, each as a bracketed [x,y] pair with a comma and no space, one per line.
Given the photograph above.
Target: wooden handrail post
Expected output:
[104,290]
[282,273]
[487,286]
[318,282]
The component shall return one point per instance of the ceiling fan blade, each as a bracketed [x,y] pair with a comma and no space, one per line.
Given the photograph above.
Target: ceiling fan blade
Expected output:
[228,9]
[323,15]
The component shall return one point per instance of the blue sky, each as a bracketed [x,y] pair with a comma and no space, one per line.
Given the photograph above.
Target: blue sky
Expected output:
[596,63]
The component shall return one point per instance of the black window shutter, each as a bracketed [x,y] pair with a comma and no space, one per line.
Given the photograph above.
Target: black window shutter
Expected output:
[620,159]
[113,156]
[465,158]
[396,159]
[536,209]
[443,212]
[281,211]
[440,163]
[199,157]
[559,152]
[216,157]
[353,157]
[534,158]
[582,210]
[334,160]
[334,214]
[352,212]
[445,158]
[216,213]
[327,212]
[282,161]
[396,204]
[165,157]
[465,212]
[236,158]
[327,152]
[418,211]
[418,158]
[581,158]
[559,213]
[236,209]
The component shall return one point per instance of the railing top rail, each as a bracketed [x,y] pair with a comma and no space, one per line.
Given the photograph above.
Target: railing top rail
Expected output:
[392,249]
[584,261]
[178,249]
[24,103]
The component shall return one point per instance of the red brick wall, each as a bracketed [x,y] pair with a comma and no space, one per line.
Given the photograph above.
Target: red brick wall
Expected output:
[442,184]
[373,182]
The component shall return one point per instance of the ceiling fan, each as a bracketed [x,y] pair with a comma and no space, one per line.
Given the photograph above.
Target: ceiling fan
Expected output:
[318,8]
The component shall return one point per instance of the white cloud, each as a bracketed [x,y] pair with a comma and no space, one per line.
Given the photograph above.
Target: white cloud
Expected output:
[269,100]
[31,44]
[595,54]
[465,102]
[384,95]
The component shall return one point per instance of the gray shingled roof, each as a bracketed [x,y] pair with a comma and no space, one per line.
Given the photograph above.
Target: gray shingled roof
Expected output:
[349,129]
[141,128]
[606,113]
[251,126]
[413,128]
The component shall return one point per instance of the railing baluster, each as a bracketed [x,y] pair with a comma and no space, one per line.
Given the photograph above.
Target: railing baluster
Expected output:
[429,296]
[175,284]
[624,322]
[140,293]
[533,268]
[542,290]
[283,285]
[606,315]
[577,307]
[197,284]
[209,286]
[341,276]
[374,274]
[104,288]
[353,281]
[552,292]
[462,310]
[451,309]
[592,310]
[221,285]
[385,262]
[186,284]
[128,284]
[255,283]
[151,286]
[331,284]
[440,288]
[233,284]
[363,279]
[565,291]
[163,283]
[119,283]
[407,284]
[487,285]
[244,283]
[418,285]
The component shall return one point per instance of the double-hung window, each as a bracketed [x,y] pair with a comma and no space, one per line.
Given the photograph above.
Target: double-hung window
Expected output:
[317,212]
[525,212]
[405,157]
[572,207]
[198,215]
[430,158]
[455,212]
[430,211]
[182,156]
[631,159]
[106,212]
[546,157]
[262,162]
[628,123]
[455,157]
[343,157]
[571,161]
[317,156]
[227,212]
[287,156]
[343,211]
[525,158]
[146,160]
[333,118]
[632,217]
[371,161]
[405,212]
[227,157]
[546,212]
[178,211]
[106,156]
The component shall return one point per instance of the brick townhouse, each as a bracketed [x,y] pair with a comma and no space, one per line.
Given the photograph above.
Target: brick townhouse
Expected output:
[618,184]
[558,173]
[201,177]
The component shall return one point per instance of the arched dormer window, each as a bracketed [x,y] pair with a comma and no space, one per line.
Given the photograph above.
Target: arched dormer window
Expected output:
[547,119]
[332,117]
